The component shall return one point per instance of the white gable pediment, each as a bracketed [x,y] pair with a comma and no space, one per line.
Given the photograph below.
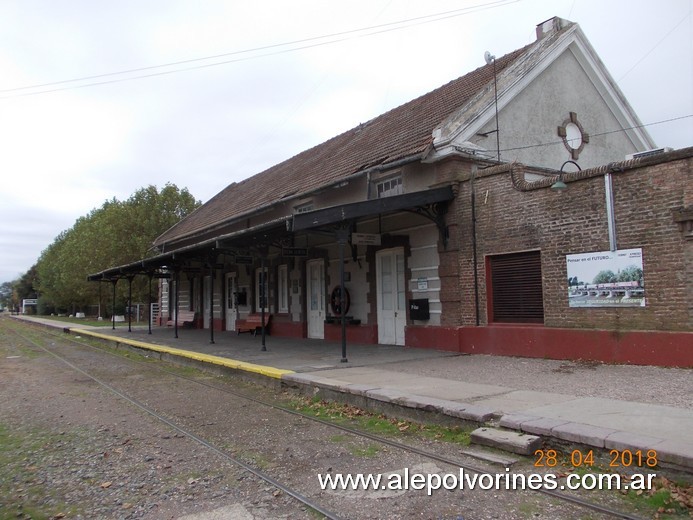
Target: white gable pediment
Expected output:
[532,104]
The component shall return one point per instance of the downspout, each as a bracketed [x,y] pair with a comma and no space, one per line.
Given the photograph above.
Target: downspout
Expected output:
[474,246]
[610,215]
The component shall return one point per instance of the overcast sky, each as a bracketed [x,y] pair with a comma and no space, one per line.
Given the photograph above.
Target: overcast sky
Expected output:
[314,69]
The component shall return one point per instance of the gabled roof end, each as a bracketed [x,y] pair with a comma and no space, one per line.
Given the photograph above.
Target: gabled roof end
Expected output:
[550,26]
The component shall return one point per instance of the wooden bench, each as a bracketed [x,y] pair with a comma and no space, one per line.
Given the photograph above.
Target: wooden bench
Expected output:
[185,318]
[253,323]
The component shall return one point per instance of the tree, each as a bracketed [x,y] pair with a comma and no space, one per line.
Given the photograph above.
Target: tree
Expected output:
[117,233]
[632,273]
[606,276]
[573,281]
[6,290]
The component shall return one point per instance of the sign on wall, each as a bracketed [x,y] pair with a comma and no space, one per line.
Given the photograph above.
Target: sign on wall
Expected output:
[606,279]
[294,251]
[365,239]
[418,309]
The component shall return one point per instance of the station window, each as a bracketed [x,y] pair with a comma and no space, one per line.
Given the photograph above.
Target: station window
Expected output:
[304,208]
[389,187]
[515,286]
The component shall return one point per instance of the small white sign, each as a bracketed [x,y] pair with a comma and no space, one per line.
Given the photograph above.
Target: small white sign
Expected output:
[423,284]
[365,239]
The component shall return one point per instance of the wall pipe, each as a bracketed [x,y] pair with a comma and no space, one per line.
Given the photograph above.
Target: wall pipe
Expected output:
[474,246]
[610,214]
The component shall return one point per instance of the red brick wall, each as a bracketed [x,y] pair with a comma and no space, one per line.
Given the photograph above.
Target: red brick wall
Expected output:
[574,221]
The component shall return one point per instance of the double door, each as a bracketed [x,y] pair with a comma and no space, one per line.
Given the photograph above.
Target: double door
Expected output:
[391,296]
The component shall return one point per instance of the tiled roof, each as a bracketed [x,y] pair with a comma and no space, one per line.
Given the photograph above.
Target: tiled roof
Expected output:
[403,131]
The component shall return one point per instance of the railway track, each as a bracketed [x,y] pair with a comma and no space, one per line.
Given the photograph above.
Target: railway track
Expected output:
[132,380]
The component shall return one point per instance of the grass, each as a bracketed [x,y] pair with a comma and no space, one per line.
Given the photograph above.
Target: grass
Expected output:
[348,415]
[667,499]
[22,491]
[529,509]
[88,321]
[369,451]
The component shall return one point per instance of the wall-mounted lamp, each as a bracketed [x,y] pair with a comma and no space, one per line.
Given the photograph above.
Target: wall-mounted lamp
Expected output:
[559,185]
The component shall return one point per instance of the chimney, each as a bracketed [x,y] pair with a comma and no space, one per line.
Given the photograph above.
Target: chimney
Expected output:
[549,26]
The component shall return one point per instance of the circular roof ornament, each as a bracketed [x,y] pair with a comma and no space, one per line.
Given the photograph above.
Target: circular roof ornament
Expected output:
[574,136]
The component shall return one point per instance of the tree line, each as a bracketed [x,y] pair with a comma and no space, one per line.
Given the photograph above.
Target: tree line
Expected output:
[117,233]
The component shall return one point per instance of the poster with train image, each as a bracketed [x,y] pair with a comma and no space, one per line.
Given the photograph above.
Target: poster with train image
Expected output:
[606,279]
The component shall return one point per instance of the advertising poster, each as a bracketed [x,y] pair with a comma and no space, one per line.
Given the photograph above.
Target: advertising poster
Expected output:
[606,279]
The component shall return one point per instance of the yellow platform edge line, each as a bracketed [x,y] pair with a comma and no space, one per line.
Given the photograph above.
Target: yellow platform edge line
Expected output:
[264,370]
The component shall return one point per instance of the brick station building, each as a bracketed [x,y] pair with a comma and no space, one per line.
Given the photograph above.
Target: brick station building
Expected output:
[441,224]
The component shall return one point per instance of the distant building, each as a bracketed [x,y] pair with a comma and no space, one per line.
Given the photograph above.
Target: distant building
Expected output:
[449,241]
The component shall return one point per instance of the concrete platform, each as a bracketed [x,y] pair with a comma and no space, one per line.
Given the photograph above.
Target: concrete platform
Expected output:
[530,396]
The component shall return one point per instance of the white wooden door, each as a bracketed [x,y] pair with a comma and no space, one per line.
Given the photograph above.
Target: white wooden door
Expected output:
[206,291]
[231,308]
[316,299]
[391,296]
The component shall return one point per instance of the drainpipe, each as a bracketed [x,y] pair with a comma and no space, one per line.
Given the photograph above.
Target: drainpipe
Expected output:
[474,246]
[610,215]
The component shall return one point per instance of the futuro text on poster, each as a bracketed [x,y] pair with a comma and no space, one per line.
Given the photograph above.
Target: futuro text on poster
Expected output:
[606,279]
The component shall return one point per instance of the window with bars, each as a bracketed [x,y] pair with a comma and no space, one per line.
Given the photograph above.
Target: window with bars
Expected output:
[516,291]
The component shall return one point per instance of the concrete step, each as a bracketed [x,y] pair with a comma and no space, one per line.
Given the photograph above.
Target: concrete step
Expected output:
[514,442]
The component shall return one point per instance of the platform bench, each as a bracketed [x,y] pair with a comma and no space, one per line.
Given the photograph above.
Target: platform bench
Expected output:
[252,323]
[185,319]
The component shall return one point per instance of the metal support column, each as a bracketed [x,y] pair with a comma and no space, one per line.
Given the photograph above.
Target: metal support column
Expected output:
[211,304]
[175,305]
[114,282]
[151,275]
[263,297]
[342,239]
[129,309]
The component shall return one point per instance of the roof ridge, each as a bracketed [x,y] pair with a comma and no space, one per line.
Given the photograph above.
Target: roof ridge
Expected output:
[350,151]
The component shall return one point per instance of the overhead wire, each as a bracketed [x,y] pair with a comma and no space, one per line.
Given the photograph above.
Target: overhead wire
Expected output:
[688,15]
[599,134]
[284,47]
[310,42]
